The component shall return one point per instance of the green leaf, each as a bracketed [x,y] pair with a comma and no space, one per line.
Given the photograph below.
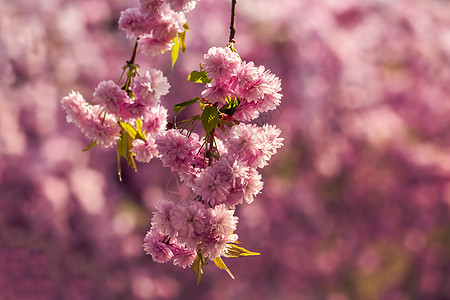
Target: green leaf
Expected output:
[182,40]
[92,145]
[230,108]
[124,146]
[180,106]
[200,77]
[129,129]
[175,50]
[140,134]
[197,266]
[221,265]
[236,251]
[210,118]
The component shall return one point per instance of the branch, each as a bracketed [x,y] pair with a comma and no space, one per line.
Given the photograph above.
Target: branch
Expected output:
[232,27]
[133,57]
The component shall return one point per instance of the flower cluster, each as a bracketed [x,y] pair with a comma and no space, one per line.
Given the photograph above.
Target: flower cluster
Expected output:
[156,23]
[101,118]
[256,88]
[221,167]
[206,223]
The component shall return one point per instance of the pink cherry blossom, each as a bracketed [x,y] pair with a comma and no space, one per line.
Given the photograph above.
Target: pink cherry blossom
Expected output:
[223,222]
[144,150]
[150,45]
[156,245]
[221,63]
[110,96]
[177,150]
[162,217]
[134,23]
[155,120]
[149,88]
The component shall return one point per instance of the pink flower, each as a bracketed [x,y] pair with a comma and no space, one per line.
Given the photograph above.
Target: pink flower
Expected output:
[223,222]
[131,111]
[254,145]
[169,25]
[218,91]
[249,82]
[98,126]
[144,150]
[177,150]
[246,111]
[149,88]
[155,120]
[258,90]
[221,63]
[152,46]
[244,141]
[156,245]
[134,23]
[213,185]
[151,7]
[110,96]
[270,86]
[183,257]
[102,130]
[189,220]
[182,5]
[253,186]
[162,218]
[216,246]
[76,108]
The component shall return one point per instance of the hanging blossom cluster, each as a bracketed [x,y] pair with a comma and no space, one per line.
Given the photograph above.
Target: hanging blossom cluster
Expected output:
[221,168]
[101,118]
[220,163]
[156,23]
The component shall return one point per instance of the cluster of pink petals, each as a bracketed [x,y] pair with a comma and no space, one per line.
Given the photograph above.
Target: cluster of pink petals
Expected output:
[193,225]
[253,144]
[207,223]
[156,23]
[162,249]
[100,127]
[177,150]
[257,89]
[98,119]
[149,88]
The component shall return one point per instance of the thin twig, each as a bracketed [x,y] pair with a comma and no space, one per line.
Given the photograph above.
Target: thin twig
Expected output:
[232,26]
[133,57]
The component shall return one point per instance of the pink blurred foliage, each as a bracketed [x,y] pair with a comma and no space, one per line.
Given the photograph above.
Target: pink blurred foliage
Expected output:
[355,206]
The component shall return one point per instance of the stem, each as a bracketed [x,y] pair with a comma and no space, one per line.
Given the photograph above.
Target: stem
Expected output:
[211,146]
[232,27]
[133,57]
[131,68]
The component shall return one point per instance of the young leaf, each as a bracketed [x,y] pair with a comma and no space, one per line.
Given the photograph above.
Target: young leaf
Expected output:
[230,108]
[221,265]
[129,129]
[197,266]
[140,134]
[175,50]
[180,106]
[210,118]
[92,145]
[124,146]
[182,40]
[199,77]
[236,251]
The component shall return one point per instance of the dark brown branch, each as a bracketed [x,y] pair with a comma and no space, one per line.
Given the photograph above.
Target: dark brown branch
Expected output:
[133,57]
[232,26]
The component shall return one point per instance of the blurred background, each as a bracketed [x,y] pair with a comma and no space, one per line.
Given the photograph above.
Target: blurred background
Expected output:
[356,205]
